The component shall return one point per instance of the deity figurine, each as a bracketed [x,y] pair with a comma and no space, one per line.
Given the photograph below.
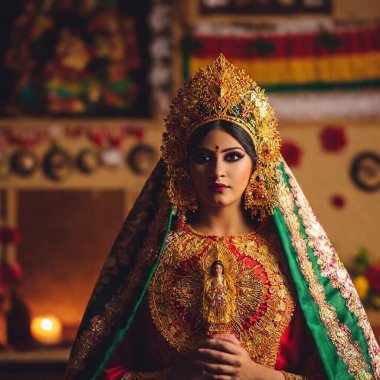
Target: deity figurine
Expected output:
[218,300]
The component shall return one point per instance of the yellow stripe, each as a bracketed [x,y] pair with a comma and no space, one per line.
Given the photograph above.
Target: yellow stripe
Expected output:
[346,68]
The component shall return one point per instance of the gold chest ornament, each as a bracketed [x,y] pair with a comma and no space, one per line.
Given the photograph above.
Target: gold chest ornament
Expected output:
[234,284]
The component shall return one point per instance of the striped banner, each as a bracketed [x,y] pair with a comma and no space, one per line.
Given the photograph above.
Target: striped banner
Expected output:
[342,59]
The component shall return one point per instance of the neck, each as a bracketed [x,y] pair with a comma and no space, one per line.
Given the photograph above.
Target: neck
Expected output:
[221,221]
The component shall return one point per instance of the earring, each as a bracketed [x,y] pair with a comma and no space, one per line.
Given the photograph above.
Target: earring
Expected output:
[255,194]
[183,194]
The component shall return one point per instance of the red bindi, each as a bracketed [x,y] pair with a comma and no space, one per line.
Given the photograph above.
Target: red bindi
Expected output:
[216,147]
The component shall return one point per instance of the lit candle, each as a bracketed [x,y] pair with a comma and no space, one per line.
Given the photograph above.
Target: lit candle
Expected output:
[46,329]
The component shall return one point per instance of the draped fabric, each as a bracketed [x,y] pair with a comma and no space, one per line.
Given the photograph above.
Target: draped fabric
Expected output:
[328,302]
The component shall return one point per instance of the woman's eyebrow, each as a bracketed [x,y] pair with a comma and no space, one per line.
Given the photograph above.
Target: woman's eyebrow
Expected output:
[235,147]
[223,150]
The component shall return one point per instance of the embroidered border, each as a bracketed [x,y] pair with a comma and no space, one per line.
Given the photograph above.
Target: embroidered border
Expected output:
[332,268]
[101,323]
[339,334]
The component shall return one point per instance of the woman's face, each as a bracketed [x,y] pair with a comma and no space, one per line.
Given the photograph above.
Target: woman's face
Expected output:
[220,169]
[218,269]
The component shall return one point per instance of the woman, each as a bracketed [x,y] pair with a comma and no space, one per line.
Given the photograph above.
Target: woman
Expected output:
[286,306]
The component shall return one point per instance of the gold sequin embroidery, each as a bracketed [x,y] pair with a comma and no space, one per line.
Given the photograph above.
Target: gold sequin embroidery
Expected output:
[255,276]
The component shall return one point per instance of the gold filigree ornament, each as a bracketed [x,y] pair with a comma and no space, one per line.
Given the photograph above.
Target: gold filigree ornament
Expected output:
[258,302]
[222,92]
[219,290]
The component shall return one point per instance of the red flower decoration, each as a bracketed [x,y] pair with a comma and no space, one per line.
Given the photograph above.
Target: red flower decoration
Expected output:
[116,139]
[134,131]
[291,153]
[373,277]
[338,201]
[9,235]
[98,137]
[333,138]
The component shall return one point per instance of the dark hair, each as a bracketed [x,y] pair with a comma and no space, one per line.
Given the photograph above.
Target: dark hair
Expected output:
[229,127]
[214,264]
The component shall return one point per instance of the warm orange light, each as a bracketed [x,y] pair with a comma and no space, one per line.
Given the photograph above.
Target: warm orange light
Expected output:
[46,329]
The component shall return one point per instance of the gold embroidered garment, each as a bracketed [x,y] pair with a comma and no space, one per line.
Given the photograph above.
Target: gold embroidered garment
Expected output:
[237,284]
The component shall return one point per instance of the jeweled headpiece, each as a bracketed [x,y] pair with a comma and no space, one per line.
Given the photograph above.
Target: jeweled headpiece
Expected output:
[222,92]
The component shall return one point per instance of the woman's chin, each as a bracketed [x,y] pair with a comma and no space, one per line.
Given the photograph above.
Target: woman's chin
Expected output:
[219,201]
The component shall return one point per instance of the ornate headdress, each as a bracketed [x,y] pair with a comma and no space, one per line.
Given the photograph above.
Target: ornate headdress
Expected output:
[221,92]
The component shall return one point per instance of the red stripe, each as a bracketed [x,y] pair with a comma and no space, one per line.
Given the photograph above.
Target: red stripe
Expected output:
[302,45]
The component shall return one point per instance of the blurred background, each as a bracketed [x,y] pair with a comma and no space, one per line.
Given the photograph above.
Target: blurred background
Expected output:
[85,87]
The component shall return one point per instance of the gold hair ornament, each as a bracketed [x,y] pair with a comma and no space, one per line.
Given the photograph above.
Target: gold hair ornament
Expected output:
[222,92]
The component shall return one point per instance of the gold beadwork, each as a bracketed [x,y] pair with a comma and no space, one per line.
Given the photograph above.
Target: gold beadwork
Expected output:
[260,303]
[221,92]
[255,194]
[292,376]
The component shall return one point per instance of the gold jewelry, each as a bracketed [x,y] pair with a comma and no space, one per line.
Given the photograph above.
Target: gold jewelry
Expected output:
[292,376]
[255,195]
[221,92]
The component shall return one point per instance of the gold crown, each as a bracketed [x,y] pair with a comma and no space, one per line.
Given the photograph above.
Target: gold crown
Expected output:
[221,92]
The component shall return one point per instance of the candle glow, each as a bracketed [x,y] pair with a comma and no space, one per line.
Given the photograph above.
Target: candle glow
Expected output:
[46,329]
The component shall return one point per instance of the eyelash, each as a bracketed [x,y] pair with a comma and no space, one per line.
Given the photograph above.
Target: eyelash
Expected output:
[238,155]
[203,157]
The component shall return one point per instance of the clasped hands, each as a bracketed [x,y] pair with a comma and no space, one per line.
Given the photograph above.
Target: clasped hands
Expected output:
[222,358]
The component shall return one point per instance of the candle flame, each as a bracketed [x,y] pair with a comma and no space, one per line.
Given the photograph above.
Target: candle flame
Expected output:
[47,324]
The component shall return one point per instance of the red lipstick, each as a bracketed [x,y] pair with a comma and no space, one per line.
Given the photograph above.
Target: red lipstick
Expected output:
[218,187]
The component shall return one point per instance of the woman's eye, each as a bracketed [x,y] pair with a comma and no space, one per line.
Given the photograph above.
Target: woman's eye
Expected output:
[201,158]
[233,157]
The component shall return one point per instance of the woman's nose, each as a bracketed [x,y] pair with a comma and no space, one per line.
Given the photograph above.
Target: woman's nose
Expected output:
[219,167]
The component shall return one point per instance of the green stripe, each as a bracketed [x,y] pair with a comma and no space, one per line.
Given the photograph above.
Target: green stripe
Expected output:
[335,298]
[331,361]
[121,333]
[334,366]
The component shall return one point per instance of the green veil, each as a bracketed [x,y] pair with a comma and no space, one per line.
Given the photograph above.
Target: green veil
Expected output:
[327,297]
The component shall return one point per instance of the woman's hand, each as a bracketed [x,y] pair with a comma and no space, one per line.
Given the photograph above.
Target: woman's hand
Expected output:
[223,358]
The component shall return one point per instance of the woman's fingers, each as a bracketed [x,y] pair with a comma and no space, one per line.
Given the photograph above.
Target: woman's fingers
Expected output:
[221,345]
[215,356]
[229,337]
[217,369]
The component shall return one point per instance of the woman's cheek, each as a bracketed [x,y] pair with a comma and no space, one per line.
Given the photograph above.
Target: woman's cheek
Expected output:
[241,173]
[198,179]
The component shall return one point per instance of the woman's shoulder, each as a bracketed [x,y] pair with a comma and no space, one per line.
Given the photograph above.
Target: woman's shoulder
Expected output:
[174,235]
